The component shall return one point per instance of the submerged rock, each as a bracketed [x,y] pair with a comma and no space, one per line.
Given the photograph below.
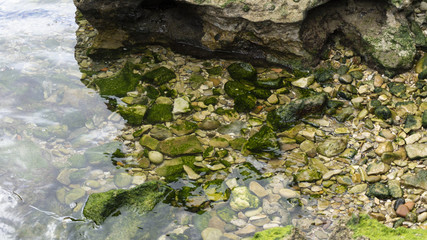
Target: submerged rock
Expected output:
[140,199]
[332,147]
[185,145]
[264,140]
[288,115]
[242,199]
[159,113]
[159,76]
[242,72]
[120,84]
[134,114]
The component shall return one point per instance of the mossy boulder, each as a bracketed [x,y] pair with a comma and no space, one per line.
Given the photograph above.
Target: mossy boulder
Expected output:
[264,140]
[378,190]
[241,71]
[159,76]
[383,112]
[159,113]
[119,84]
[274,233]
[234,89]
[244,103]
[185,145]
[134,114]
[364,227]
[140,199]
[288,115]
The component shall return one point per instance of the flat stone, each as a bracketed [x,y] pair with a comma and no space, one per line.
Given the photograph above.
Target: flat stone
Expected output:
[241,199]
[247,230]
[256,188]
[180,105]
[288,193]
[358,188]
[418,179]
[184,145]
[416,151]
[332,147]
[410,205]
[377,168]
[190,172]
[331,173]
[211,234]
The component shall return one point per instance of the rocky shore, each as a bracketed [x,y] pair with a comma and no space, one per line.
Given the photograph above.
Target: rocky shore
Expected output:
[259,148]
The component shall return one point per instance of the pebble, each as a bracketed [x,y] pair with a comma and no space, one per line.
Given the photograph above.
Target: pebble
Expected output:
[155,157]
[247,230]
[211,234]
[402,210]
[288,193]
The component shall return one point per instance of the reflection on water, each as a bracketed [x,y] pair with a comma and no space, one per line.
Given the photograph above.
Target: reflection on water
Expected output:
[46,116]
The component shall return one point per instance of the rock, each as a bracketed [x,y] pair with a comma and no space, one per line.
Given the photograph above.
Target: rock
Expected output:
[418,180]
[397,89]
[424,119]
[244,103]
[256,188]
[246,230]
[307,175]
[211,234]
[155,157]
[159,76]
[303,82]
[242,199]
[416,151]
[184,145]
[331,173]
[180,105]
[288,193]
[384,147]
[122,180]
[254,30]
[383,112]
[410,205]
[102,153]
[171,169]
[242,72]
[234,89]
[134,114]
[377,168]
[346,79]
[209,124]
[185,127]
[74,195]
[140,199]
[358,188]
[413,123]
[149,142]
[402,211]
[264,141]
[395,189]
[378,190]
[159,113]
[398,202]
[274,233]
[332,147]
[119,84]
[422,217]
[288,115]
[190,173]
[160,132]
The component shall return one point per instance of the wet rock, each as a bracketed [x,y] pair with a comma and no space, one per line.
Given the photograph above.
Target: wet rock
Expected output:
[160,132]
[120,84]
[102,153]
[234,89]
[264,141]
[159,113]
[307,175]
[397,89]
[241,71]
[378,190]
[140,199]
[180,105]
[412,122]
[332,147]
[155,157]
[383,112]
[74,195]
[122,180]
[209,124]
[416,151]
[149,142]
[242,199]
[184,145]
[358,188]
[398,202]
[211,234]
[395,189]
[134,114]
[377,168]
[159,76]
[288,193]
[424,119]
[303,82]
[185,127]
[244,103]
[288,115]
[418,180]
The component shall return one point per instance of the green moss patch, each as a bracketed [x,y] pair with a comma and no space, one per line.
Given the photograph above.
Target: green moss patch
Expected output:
[159,76]
[159,113]
[276,233]
[120,84]
[364,226]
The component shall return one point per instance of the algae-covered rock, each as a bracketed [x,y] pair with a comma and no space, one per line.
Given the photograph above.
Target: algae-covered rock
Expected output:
[134,114]
[184,127]
[244,103]
[332,147]
[242,72]
[424,119]
[264,140]
[288,115]
[274,233]
[383,112]
[416,150]
[308,175]
[120,84]
[242,199]
[418,180]
[159,76]
[140,199]
[185,145]
[159,113]
[149,142]
[378,190]
[234,89]
[365,227]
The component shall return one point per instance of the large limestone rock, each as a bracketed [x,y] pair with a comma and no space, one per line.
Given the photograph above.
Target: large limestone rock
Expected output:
[291,33]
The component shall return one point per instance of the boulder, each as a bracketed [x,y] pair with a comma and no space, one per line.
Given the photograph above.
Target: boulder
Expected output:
[290,33]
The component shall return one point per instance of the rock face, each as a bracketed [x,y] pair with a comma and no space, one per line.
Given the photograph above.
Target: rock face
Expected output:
[290,33]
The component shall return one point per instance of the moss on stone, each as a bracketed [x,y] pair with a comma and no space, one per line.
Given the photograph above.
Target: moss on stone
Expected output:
[424,119]
[242,72]
[383,112]
[378,190]
[261,93]
[244,103]
[159,113]
[149,142]
[275,233]
[210,101]
[141,199]
[366,227]
[134,114]
[214,71]
[159,76]
[120,84]
[196,80]
[184,128]
[264,140]
[184,145]
[234,89]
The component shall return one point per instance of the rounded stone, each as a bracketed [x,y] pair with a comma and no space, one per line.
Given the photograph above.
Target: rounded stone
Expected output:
[402,210]
[288,193]
[155,157]
[211,234]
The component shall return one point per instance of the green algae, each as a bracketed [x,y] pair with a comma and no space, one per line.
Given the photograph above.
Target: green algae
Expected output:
[276,233]
[134,114]
[264,140]
[364,226]
[119,84]
[242,72]
[159,76]
[159,113]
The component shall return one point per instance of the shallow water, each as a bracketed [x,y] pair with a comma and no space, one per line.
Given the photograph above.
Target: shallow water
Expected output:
[45,112]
